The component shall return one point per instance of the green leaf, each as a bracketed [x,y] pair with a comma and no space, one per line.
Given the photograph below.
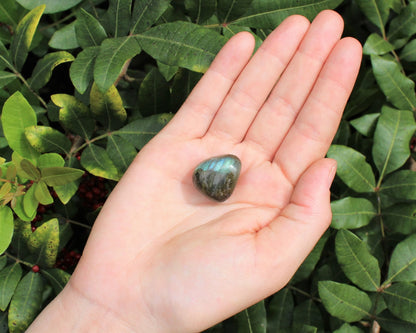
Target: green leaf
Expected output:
[400,185]
[353,168]
[154,94]
[22,232]
[22,39]
[356,261]
[4,327]
[64,38]
[403,261]
[113,54]
[82,69]
[52,6]
[96,161]
[121,151]
[6,228]
[4,189]
[50,160]
[3,261]
[200,10]
[366,124]
[57,176]
[43,70]
[146,13]
[26,302]
[229,10]
[74,115]
[168,72]
[377,11]
[392,324]
[30,169]
[42,193]
[9,279]
[140,131]
[17,115]
[44,243]
[5,59]
[397,87]
[88,30]
[401,300]
[46,139]
[400,218]
[18,208]
[117,17]
[253,319]
[307,313]
[9,12]
[352,213]
[403,26]
[6,78]
[344,301]
[280,311]
[375,44]
[57,278]
[182,44]
[409,51]
[391,139]
[268,14]
[30,203]
[107,107]
[347,328]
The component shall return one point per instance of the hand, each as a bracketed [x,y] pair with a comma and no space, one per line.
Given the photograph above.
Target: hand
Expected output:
[162,257]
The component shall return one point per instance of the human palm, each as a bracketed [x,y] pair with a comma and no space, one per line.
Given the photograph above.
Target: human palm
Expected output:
[162,256]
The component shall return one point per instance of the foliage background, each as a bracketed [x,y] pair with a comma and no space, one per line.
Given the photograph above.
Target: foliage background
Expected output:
[85,85]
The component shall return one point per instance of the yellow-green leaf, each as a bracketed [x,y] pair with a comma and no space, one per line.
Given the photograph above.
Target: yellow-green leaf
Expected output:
[44,243]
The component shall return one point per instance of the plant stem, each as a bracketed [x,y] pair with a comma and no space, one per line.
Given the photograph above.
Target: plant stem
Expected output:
[79,223]
[18,260]
[300,291]
[21,78]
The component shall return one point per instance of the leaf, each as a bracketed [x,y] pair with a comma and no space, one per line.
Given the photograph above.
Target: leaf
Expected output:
[400,185]
[154,94]
[52,6]
[66,192]
[403,26]
[5,189]
[26,302]
[30,203]
[392,324]
[347,328]
[200,10]
[229,10]
[43,70]
[121,151]
[117,17]
[9,279]
[400,218]
[268,14]
[113,54]
[401,300]
[352,168]
[44,243]
[97,162]
[88,30]
[377,11]
[182,44]
[344,301]
[57,278]
[375,44]
[307,313]
[57,176]
[82,69]
[409,51]
[64,38]
[352,213]
[42,193]
[50,160]
[146,13]
[6,78]
[356,261]
[366,124]
[140,131]
[22,232]
[398,88]
[18,208]
[391,139]
[46,139]
[74,115]
[9,12]
[5,59]
[16,116]
[30,170]
[403,262]
[280,311]
[253,319]
[6,228]
[107,107]
[22,39]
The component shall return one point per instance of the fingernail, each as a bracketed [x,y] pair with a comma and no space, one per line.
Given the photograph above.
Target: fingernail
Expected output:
[331,174]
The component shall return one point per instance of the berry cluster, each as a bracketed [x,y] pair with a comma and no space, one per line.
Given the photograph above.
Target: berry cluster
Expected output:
[67,259]
[92,191]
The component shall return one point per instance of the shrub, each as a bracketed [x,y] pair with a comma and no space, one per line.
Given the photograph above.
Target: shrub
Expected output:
[86,84]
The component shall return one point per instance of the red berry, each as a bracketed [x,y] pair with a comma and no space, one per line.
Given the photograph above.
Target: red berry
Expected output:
[35,269]
[33,228]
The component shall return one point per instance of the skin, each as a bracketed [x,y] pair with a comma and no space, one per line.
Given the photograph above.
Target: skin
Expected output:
[162,257]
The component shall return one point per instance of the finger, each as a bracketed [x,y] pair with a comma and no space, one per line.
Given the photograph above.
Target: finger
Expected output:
[299,226]
[313,130]
[281,108]
[194,117]
[258,78]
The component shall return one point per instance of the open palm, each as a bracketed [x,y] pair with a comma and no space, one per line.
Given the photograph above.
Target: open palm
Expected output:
[163,257]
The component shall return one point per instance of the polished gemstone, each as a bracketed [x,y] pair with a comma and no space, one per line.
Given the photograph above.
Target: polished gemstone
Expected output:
[217,176]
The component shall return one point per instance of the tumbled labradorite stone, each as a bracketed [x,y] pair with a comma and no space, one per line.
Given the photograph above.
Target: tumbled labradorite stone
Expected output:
[217,176]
